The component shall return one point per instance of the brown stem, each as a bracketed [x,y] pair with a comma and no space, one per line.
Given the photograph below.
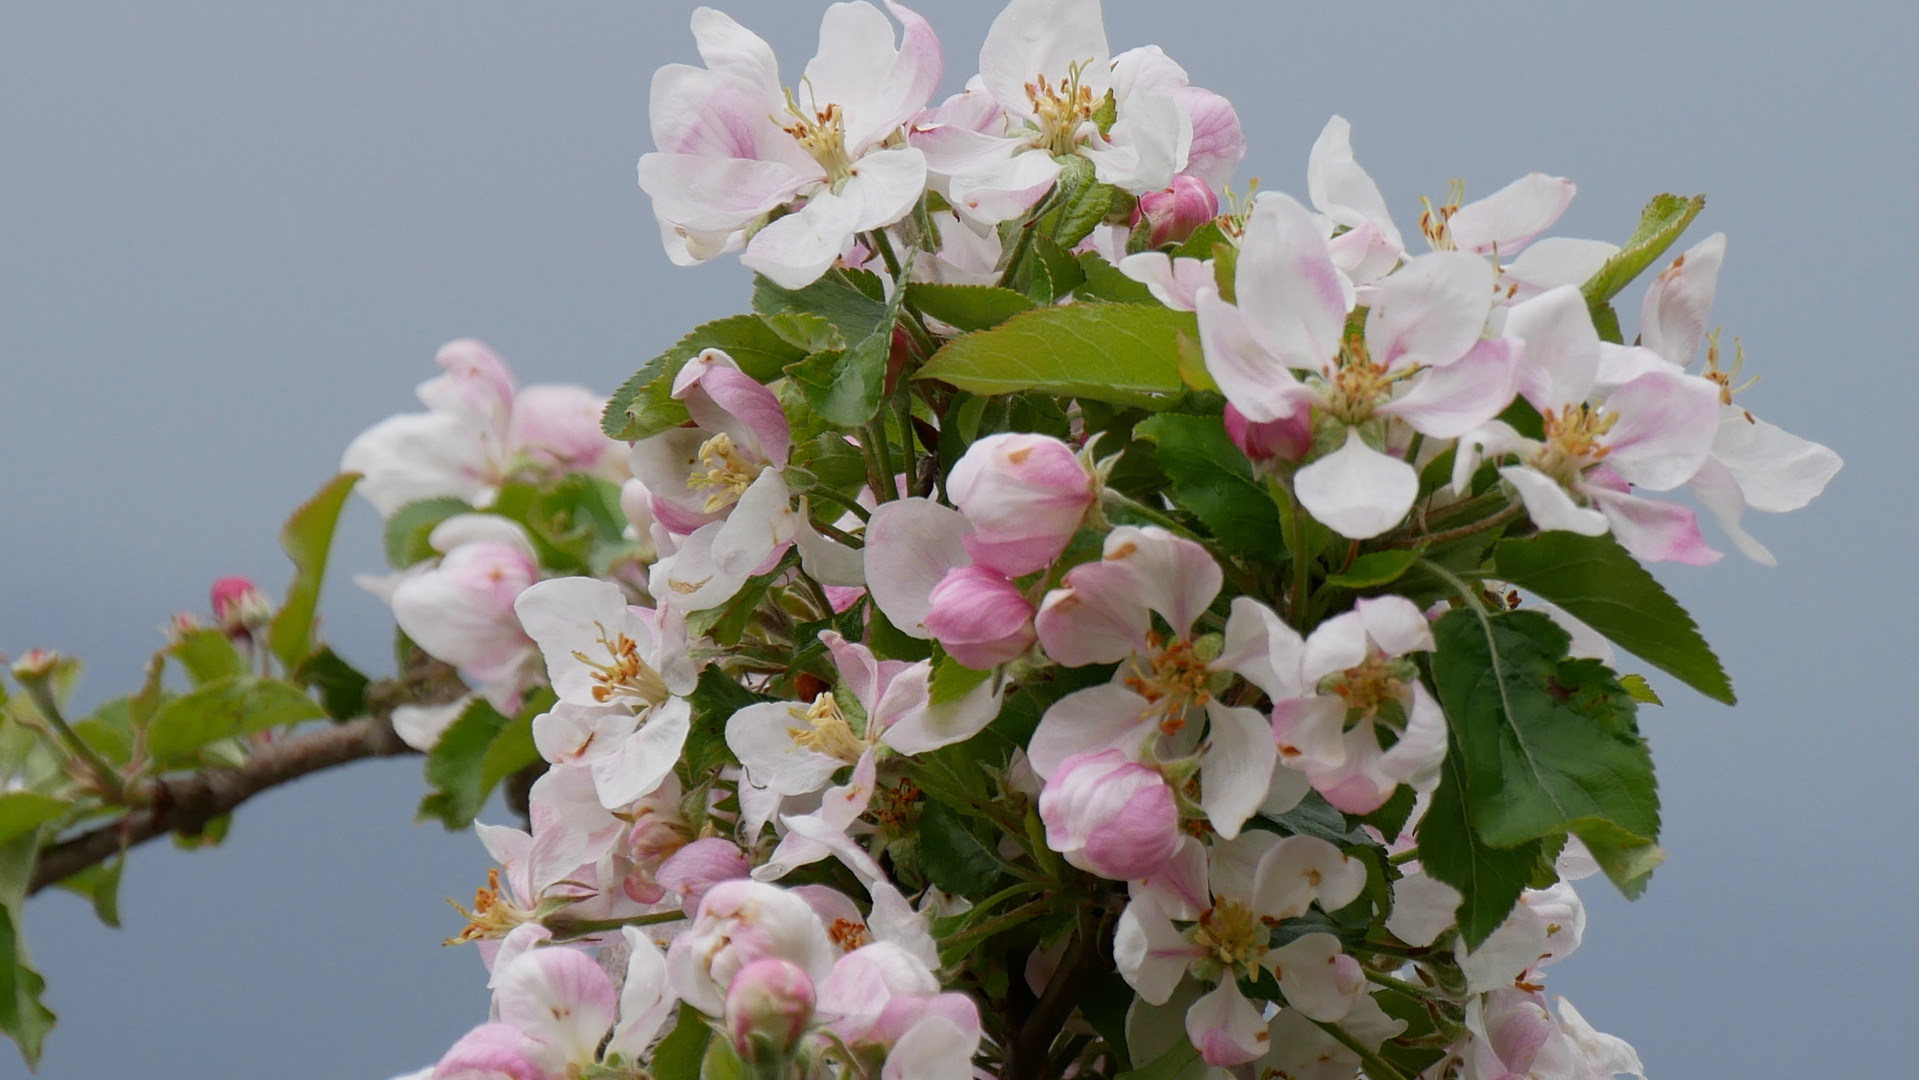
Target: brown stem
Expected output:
[1089,955]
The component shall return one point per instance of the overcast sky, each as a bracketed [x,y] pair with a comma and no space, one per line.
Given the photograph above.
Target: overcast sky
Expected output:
[233,234]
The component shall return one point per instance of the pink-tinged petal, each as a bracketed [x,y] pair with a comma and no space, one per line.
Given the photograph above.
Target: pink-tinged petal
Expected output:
[862,672]
[415,456]
[1621,364]
[1219,143]
[1430,311]
[561,998]
[1225,1027]
[926,727]
[1309,732]
[1289,439]
[1173,282]
[1343,191]
[722,398]
[559,427]
[1654,531]
[1447,402]
[461,611]
[568,793]
[1422,909]
[491,1052]
[665,463]
[718,194]
[1179,887]
[1552,262]
[1777,471]
[477,383]
[934,1049]
[1257,383]
[980,618]
[1395,624]
[1364,254]
[1292,297]
[795,250]
[867,980]
[1262,648]
[1088,721]
[1150,952]
[1716,489]
[1175,577]
[1034,38]
[1506,221]
[694,869]
[1665,429]
[1357,491]
[910,546]
[1317,978]
[1237,769]
[1550,508]
[1562,348]
[877,85]
[1026,495]
[1109,815]
[645,999]
[1672,321]
[887,184]
[1097,618]
[996,187]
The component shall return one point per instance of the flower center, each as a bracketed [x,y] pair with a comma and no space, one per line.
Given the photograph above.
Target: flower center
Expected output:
[1232,934]
[1375,682]
[726,469]
[826,731]
[1172,678]
[1724,377]
[1572,441]
[625,674]
[1355,385]
[822,134]
[848,935]
[493,915]
[1062,109]
[1433,220]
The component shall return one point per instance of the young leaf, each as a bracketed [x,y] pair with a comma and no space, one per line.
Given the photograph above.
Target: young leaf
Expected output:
[1607,589]
[457,766]
[1374,569]
[845,386]
[1550,745]
[953,680]
[307,537]
[1105,282]
[206,654]
[21,1015]
[715,698]
[21,812]
[225,709]
[100,884]
[953,857]
[1490,879]
[644,404]
[1120,353]
[678,1056]
[968,307]
[342,688]
[1664,218]
[405,537]
[1215,481]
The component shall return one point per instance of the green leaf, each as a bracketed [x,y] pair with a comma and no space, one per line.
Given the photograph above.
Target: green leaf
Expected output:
[21,812]
[715,698]
[728,621]
[342,688]
[207,654]
[225,709]
[1215,481]
[968,307]
[678,1056]
[1314,816]
[1374,569]
[953,680]
[1640,689]
[644,404]
[1103,1004]
[1120,353]
[457,766]
[1664,218]
[307,537]
[1607,589]
[892,643]
[1490,879]
[100,884]
[1105,282]
[21,1015]
[1550,745]
[954,858]
[1167,1066]
[1390,819]
[844,386]
[405,537]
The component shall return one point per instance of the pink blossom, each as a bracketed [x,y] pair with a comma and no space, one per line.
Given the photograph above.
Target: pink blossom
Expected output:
[769,1005]
[1174,214]
[740,922]
[1025,496]
[1289,438]
[980,617]
[1110,815]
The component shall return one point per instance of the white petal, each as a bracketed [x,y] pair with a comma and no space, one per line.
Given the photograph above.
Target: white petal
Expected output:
[416,456]
[1088,721]
[1034,38]
[1357,491]
[1422,908]
[928,727]
[1665,429]
[1343,191]
[1506,221]
[910,545]
[1672,321]
[646,757]
[887,183]
[1317,978]
[1256,381]
[1226,1028]
[645,999]
[1549,506]
[1262,648]
[761,735]
[1716,489]
[933,1049]
[1236,772]
[795,250]
[1556,261]
[1396,625]
[1150,953]
[761,521]
[1777,470]
[1561,346]
[1430,311]
[1292,297]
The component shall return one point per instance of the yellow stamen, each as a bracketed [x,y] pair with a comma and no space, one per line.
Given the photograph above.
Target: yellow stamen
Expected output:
[626,675]
[826,730]
[727,468]
[1172,678]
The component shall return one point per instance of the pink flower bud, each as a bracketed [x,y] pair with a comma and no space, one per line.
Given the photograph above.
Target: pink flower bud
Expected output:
[699,866]
[559,426]
[1172,215]
[1287,439]
[1110,815]
[239,606]
[768,1007]
[979,617]
[1025,496]
[738,923]
[491,1050]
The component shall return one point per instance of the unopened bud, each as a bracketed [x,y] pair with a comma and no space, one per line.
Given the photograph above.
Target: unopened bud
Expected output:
[980,618]
[1170,216]
[239,606]
[1289,438]
[768,1007]
[36,665]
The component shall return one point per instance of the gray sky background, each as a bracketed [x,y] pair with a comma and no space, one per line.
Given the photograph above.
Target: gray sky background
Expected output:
[233,234]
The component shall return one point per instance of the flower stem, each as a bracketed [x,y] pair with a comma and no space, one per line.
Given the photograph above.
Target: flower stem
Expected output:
[1401,985]
[565,929]
[104,774]
[1377,1068]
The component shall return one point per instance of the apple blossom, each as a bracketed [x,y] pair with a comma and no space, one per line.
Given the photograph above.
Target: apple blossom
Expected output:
[1174,214]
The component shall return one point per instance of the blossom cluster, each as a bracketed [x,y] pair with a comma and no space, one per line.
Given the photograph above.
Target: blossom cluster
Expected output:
[1080,620]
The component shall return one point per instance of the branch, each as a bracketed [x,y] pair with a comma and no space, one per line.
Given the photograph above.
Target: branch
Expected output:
[1089,955]
[186,803]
